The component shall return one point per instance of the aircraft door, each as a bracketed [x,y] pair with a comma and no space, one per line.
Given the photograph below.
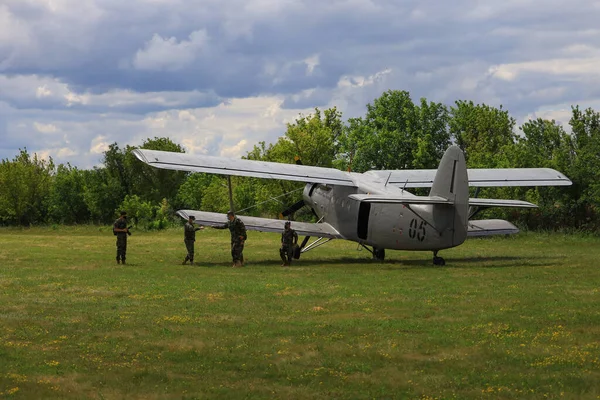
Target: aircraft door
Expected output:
[362,228]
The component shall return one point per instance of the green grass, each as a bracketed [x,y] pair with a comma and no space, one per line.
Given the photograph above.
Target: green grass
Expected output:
[514,317]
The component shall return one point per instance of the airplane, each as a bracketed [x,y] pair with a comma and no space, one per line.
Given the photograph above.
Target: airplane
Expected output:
[375,208]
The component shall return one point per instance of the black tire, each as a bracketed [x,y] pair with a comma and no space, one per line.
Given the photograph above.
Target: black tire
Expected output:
[378,254]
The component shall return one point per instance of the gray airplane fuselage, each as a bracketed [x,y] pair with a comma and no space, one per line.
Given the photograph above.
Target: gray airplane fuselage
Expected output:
[384,226]
[392,219]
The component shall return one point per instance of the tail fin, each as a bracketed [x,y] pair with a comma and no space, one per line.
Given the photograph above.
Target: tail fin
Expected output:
[451,182]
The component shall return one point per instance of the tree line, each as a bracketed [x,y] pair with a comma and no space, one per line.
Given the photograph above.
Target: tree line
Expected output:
[394,133]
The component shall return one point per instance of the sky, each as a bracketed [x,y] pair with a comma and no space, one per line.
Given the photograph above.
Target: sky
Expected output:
[219,76]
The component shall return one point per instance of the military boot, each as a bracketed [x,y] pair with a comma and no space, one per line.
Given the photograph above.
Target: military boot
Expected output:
[184,261]
[118,260]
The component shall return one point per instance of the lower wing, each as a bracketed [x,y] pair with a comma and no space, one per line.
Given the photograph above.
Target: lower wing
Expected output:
[264,224]
[490,227]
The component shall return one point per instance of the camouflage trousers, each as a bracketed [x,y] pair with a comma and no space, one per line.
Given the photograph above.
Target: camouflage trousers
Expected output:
[189,245]
[286,253]
[121,247]
[237,249]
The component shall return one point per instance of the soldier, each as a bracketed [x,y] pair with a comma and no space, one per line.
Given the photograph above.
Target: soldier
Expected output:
[189,237]
[238,237]
[121,230]
[289,239]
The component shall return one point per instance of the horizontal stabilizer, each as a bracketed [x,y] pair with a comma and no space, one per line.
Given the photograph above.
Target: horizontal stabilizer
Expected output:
[263,224]
[240,167]
[438,200]
[367,198]
[478,177]
[490,227]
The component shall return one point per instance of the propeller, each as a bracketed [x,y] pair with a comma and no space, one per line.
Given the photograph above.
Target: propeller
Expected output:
[296,206]
[292,209]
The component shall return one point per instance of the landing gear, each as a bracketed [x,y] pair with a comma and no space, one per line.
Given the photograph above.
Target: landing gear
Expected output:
[438,260]
[378,254]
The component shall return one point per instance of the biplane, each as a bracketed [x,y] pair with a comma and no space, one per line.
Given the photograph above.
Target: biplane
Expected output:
[375,208]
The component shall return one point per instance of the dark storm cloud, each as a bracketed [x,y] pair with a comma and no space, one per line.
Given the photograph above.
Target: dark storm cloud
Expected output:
[148,46]
[77,74]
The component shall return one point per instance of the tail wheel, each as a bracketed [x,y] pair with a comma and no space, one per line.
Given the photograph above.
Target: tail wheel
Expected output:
[438,260]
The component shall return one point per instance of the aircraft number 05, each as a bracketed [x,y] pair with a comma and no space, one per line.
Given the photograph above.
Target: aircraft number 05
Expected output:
[417,230]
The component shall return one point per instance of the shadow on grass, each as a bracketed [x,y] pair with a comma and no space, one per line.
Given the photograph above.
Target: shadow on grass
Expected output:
[296,263]
[451,262]
[480,262]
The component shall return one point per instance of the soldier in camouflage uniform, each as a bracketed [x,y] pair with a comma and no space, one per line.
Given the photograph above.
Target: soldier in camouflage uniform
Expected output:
[120,230]
[289,238]
[189,237]
[238,237]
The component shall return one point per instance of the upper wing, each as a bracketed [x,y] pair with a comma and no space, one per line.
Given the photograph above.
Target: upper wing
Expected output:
[500,203]
[478,177]
[263,224]
[239,167]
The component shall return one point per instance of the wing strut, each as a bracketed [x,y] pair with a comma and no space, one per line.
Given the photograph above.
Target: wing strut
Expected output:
[472,209]
[319,242]
[230,194]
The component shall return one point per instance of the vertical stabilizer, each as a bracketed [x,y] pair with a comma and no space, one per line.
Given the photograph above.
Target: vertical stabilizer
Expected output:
[451,182]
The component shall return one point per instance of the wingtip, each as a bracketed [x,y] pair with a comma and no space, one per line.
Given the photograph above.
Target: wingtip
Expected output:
[182,213]
[140,155]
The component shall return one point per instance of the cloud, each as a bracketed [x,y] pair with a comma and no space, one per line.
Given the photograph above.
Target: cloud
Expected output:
[170,55]
[236,150]
[44,128]
[99,145]
[566,67]
[221,76]
[39,92]
[232,128]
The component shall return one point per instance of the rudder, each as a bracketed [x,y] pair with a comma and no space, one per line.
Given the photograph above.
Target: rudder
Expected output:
[451,182]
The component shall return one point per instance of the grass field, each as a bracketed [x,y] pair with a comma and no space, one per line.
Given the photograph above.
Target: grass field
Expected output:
[507,318]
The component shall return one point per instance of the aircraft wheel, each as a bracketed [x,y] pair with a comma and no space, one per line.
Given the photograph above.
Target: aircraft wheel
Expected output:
[378,254]
[438,261]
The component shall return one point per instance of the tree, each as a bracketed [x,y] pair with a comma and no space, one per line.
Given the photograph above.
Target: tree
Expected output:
[102,194]
[24,188]
[585,173]
[66,199]
[216,196]
[313,139]
[192,190]
[150,183]
[116,167]
[139,211]
[543,143]
[397,134]
[484,133]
